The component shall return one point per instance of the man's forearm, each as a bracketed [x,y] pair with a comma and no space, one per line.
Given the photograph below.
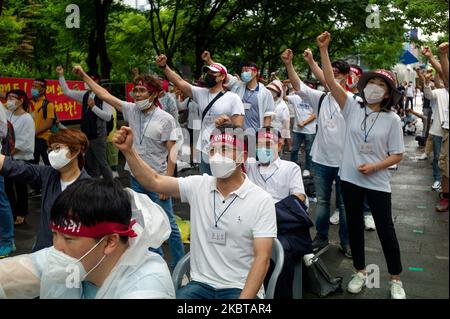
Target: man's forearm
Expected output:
[309,119]
[443,58]
[255,278]
[293,76]
[172,159]
[318,73]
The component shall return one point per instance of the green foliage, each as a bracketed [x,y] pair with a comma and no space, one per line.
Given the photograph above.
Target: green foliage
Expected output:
[34,38]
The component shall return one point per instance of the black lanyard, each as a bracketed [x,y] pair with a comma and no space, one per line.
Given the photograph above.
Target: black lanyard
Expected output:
[366,116]
[266,179]
[141,138]
[216,220]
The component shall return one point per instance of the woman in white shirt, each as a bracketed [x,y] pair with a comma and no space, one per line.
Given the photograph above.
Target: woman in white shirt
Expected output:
[373,142]
[23,123]
[280,118]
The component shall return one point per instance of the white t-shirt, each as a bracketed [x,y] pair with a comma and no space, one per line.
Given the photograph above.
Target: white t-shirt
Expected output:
[280,179]
[302,111]
[436,126]
[329,142]
[410,91]
[151,132]
[251,215]
[281,119]
[24,132]
[64,185]
[229,104]
[384,138]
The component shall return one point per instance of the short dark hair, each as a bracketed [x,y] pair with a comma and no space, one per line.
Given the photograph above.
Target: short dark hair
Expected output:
[91,201]
[238,133]
[43,81]
[249,64]
[24,96]
[269,129]
[342,66]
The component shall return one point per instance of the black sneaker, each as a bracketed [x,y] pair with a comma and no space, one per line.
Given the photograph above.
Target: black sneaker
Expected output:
[319,243]
[347,251]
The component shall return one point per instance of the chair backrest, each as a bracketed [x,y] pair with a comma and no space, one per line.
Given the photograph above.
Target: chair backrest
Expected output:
[183,267]
[278,259]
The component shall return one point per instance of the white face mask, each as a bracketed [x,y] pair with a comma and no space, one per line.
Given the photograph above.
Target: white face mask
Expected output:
[60,266]
[373,93]
[58,158]
[11,105]
[143,105]
[222,166]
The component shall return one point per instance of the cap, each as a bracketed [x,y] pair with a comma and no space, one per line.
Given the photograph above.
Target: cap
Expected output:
[385,75]
[215,67]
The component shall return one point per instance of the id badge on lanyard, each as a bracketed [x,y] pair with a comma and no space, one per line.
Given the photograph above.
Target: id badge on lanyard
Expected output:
[216,236]
[366,148]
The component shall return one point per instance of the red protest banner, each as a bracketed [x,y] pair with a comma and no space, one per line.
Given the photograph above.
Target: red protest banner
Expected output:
[65,107]
[128,88]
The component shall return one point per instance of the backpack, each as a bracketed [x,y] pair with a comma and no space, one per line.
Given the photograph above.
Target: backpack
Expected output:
[55,124]
[9,141]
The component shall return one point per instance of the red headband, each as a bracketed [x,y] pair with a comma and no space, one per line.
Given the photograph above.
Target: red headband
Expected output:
[99,230]
[18,97]
[386,74]
[268,135]
[151,88]
[356,71]
[228,139]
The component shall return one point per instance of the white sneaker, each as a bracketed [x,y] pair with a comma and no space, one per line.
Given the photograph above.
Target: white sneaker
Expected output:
[357,283]
[306,173]
[369,223]
[436,185]
[397,291]
[422,156]
[395,166]
[334,219]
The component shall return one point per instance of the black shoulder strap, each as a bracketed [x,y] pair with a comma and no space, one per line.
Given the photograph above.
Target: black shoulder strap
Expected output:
[208,107]
[320,102]
[44,108]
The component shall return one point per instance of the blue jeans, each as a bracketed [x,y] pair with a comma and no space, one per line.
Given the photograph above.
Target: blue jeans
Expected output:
[198,290]
[323,182]
[437,142]
[204,166]
[297,140]
[6,217]
[175,243]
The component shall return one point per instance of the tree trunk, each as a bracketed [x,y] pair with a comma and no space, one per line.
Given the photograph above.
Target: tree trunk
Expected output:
[1,7]
[91,59]
[102,11]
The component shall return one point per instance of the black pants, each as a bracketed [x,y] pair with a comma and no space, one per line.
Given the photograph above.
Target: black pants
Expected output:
[40,150]
[17,193]
[409,100]
[380,205]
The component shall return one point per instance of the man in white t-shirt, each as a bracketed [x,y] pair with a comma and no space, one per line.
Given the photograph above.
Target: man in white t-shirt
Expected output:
[410,89]
[156,132]
[304,130]
[233,221]
[327,149]
[257,100]
[278,177]
[212,102]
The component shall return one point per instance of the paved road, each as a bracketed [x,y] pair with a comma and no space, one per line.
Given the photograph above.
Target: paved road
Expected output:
[423,234]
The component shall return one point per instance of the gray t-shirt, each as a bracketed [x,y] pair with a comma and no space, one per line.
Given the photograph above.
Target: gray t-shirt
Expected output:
[151,132]
[252,114]
[384,137]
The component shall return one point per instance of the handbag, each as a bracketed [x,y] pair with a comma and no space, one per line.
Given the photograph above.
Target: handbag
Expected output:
[319,281]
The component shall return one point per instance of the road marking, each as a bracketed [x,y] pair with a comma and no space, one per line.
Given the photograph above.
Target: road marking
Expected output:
[441,257]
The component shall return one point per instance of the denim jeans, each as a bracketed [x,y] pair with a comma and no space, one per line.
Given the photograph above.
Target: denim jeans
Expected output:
[437,142]
[198,290]
[6,218]
[175,243]
[323,182]
[297,140]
